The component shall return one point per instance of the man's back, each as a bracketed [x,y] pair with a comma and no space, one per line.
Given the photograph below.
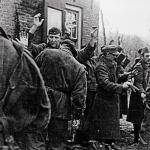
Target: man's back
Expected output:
[66,77]
[59,69]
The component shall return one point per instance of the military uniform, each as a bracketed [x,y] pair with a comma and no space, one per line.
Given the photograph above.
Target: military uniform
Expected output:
[136,106]
[103,121]
[144,140]
[65,79]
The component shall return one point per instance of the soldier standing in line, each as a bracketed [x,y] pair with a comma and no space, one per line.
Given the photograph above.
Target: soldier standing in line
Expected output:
[136,106]
[104,116]
[65,79]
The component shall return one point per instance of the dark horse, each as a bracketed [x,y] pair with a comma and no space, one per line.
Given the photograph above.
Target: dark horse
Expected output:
[24,104]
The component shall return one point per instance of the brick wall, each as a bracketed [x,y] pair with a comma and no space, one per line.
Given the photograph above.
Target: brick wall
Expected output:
[23,10]
[7,11]
[26,9]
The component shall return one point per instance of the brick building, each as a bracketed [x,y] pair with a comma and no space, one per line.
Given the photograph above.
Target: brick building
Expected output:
[76,16]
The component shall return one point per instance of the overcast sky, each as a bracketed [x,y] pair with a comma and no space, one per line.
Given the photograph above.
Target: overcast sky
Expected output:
[127,16]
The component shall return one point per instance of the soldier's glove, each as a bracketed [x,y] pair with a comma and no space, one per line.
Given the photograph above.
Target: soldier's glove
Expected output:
[126,85]
[143,95]
[94,37]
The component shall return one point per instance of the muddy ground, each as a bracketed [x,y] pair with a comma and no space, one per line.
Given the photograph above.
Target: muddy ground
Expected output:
[126,131]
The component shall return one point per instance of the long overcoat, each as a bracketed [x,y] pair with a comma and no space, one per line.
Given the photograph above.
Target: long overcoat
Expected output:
[136,106]
[65,79]
[103,120]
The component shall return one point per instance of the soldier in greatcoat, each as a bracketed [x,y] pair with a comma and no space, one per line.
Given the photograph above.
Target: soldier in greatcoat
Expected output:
[104,116]
[136,106]
[65,79]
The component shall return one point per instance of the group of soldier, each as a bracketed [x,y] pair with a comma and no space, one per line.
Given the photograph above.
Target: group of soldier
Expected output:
[83,88]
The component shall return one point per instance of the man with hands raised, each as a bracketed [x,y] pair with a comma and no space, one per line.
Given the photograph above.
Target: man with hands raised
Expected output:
[54,40]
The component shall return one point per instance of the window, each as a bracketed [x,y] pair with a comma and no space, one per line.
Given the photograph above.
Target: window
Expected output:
[72,23]
[54,18]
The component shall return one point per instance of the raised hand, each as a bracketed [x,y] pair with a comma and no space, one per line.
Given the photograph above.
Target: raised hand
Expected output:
[37,20]
[37,23]
[94,37]
[23,39]
[126,85]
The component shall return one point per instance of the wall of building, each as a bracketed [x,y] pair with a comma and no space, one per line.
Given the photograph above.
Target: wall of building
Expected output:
[7,11]
[17,15]
[90,14]
[26,10]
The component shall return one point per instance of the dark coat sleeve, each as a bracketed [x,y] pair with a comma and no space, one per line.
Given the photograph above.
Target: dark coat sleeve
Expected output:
[139,78]
[120,71]
[86,53]
[35,49]
[120,74]
[103,80]
[78,95]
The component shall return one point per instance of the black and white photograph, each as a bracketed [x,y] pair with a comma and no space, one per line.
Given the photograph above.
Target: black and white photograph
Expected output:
[74,74]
